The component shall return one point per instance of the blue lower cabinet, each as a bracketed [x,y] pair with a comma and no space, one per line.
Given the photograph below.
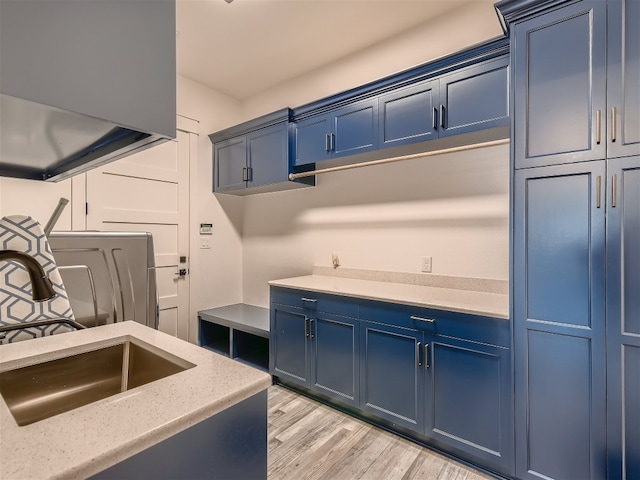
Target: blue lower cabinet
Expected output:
[401,366]
[468,400]
[316,350]
[334,367]
[289,345]
[391,377]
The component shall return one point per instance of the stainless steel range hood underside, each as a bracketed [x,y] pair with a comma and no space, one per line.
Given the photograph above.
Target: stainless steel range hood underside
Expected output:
[39,142]
[83,83]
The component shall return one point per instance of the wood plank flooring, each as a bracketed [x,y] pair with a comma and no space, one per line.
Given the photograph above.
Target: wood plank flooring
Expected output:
[308,440]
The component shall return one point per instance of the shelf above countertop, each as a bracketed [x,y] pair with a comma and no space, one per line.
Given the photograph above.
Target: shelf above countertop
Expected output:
[474,302]
[89,439]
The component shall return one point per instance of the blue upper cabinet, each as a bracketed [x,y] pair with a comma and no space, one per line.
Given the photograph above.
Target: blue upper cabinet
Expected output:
[254,157]
[623,78]
[410,114]
[467,100]
[348,130]
[463,93]
[559,86]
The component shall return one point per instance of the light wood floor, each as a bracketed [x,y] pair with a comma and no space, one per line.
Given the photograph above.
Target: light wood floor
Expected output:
[308,440]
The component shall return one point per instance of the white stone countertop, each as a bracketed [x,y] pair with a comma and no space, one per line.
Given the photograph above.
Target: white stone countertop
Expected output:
[89,439]
[456,300]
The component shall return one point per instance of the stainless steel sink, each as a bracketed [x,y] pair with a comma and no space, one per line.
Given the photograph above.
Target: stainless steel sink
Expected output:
[43,390]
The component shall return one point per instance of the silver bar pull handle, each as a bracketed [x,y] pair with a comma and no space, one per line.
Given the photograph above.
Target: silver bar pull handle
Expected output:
[614,191]
[598,191]
[306,328]
[326,142]
[245,174]
[422,319]
[614,124]
[426,355]
[418,354]
[333,142]
[434,118]
[311,327]
[312,300]
[442,119]
[598,126]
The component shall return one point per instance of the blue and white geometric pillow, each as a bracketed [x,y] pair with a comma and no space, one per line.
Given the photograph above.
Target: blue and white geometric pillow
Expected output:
[23,233]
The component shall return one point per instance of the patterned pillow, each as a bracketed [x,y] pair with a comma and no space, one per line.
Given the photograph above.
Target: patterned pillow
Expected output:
[25,234]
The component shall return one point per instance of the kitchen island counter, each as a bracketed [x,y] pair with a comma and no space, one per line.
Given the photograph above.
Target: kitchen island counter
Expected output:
[469,301]
[89,439]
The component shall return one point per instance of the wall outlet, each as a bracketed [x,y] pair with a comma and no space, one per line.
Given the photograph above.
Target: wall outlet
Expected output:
[335,260]
[426,264]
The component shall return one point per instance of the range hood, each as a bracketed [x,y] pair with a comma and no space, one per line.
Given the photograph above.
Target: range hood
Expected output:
[83,83]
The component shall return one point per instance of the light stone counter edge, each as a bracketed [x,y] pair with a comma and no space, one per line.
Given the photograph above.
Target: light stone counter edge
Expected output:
[89,439]
[486,304]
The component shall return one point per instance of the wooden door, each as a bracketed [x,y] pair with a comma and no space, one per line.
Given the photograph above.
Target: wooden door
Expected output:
[623,318]
[559,317]
[149,192]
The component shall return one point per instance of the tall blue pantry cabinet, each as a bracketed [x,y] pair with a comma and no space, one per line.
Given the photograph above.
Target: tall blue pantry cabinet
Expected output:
[576,237]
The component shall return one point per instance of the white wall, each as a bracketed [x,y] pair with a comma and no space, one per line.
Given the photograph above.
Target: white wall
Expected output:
[216,273]
[453,208]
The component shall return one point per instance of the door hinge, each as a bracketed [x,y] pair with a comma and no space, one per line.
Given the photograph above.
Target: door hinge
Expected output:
[86,208]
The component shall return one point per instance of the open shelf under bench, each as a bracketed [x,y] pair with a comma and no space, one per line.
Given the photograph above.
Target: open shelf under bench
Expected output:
[238,331]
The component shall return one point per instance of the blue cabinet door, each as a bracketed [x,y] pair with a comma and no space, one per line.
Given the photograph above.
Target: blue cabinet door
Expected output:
[559,331]
[623,78]
[312,139]
[474,98]
[623,317]
[468,400]
[560,86]
[335,357]
[409,115]
[391,376]
[289,345]
[230,158]
[268,155]
[355,128]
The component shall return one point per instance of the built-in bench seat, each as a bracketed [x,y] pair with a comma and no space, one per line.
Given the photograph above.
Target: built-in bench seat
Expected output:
[238,331]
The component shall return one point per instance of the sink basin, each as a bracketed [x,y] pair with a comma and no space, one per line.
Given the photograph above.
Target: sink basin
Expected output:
[45,389]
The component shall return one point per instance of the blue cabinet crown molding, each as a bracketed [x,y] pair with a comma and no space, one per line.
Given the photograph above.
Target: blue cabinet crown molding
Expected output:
[494,48]
[279,116]
[510,11]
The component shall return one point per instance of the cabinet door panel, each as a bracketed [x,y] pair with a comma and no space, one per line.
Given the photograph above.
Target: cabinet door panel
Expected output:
[475,98]
[559,321]
[391,381]
[268,155]
[336,365]
[289,345]
[311,142]
[623,319]
[469,400]
[623,77]
[407,115]
[230,159]
[560,85]
[355,128]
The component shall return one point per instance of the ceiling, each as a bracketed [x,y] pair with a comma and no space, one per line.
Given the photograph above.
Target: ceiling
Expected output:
[248,46]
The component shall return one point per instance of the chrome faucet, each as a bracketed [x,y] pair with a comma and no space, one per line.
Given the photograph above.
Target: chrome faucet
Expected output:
[41,287]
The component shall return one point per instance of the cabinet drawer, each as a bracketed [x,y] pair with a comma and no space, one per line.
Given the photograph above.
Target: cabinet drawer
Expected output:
[461,325]
[319,302]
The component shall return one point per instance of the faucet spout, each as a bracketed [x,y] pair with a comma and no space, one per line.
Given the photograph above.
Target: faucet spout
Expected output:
[41,287]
